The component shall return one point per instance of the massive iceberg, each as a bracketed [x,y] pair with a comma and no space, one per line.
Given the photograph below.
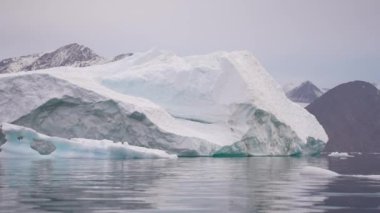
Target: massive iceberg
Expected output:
[221,104]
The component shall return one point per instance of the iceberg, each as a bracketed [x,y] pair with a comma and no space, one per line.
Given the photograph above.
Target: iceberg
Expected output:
[340,155]
[25,142]
[221,104]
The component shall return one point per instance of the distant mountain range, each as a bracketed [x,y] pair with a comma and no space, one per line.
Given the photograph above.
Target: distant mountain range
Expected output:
[73,55]
[350,115]
[304,93]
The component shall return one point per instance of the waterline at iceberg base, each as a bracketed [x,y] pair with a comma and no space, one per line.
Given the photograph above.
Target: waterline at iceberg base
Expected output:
[25,142]
[221,104]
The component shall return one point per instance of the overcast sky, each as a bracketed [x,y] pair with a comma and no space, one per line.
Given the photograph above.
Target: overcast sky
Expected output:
[326,41]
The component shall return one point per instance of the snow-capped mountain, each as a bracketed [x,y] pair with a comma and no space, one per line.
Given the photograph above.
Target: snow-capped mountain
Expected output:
[74,55]
[70,55]
[377,85]
[17,64]
[306,92]
[350,114]
[290,85]
[221,104]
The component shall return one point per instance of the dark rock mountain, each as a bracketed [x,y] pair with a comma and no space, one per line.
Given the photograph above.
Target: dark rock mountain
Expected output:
[69,55]
[74,55]
[307,92]
[350,115]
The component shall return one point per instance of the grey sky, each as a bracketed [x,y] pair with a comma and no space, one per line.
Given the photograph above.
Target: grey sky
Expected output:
[327,41]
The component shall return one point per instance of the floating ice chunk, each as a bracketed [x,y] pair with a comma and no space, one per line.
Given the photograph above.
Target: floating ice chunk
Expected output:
[325,173]
[318,172]
[372,177]
[21,141]
[340,155]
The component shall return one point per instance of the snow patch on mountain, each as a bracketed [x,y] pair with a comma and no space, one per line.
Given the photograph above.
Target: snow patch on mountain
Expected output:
[70,55]
[377,85]
[16,64]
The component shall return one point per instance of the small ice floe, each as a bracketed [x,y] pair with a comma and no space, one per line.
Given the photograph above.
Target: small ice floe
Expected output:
[318,172]
[325,173]
[340,155]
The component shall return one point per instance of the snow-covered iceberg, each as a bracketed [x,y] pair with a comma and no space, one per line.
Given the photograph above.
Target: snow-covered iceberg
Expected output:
[219,104]
[227,88]
[25,142]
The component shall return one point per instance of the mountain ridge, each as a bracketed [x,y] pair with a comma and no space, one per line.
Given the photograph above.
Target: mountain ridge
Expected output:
[73,55]
[350,114]
[306,92]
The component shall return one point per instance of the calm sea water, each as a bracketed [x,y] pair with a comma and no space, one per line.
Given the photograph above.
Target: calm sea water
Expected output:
[258,184]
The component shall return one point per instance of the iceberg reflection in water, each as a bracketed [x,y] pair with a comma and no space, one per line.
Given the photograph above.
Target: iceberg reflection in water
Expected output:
[186,185]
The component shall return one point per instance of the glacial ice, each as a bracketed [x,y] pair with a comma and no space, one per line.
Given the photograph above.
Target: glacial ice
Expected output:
[22,92]
[267,136]
[25,142]
[107,120]
[204,87]
[217,104]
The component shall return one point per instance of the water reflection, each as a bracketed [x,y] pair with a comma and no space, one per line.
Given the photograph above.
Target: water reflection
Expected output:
[353,194]
[183,185]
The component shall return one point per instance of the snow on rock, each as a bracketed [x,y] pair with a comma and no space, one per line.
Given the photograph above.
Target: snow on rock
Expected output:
[340,155]
[74,55]
[26,142]
[16,64]
[376,84]
[69,55]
